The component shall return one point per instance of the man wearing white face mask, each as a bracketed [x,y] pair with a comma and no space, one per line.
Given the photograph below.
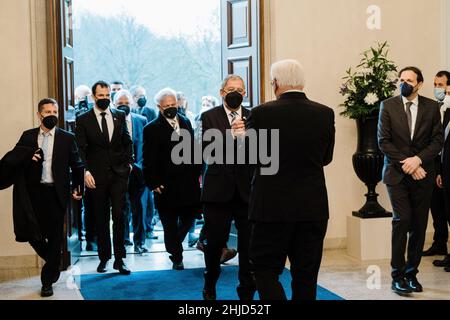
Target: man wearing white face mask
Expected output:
[441,219]
[438,212]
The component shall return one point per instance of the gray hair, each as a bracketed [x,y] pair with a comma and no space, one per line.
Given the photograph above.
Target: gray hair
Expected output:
[164,93]
[138,90]
[288,73]
[81,92]
[231,77]
[123,93]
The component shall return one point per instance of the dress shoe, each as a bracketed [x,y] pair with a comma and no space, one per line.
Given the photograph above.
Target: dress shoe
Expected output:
[102,267]
[46,291]
[91,246]
[120,266]
[140,249]
[414,285]
[435,251]
[401,288]
[442,263]
[128,243]
[209,294]
[178,266]
[227,255]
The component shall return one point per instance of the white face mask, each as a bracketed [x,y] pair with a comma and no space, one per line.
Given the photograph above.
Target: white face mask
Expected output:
[447,102]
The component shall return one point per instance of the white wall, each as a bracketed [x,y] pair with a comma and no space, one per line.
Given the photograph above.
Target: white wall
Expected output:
[327,36]
[21,83]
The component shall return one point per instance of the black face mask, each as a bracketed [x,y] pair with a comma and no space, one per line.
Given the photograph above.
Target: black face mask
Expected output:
[103,104]
[406,89]
[234,100]
[125,109]
[142,102]
[50,122]
[171,113]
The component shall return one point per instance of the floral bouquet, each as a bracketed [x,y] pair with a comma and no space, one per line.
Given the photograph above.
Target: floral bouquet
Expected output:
[374,80]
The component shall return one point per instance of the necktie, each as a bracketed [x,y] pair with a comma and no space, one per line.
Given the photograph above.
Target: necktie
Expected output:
[175,126]
[45,150]
[233,116]
[105,131]
[409,115]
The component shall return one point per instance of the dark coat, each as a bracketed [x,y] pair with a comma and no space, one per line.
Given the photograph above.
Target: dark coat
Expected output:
[181,182]
[297,192]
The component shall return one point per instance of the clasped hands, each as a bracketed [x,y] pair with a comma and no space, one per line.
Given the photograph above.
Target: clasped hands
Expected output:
[238,127]
[412,166]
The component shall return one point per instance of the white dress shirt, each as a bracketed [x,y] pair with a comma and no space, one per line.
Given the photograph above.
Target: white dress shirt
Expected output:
[230,116]
[414,110]
[47,174]
[109,120]
[130,125]
[175,124]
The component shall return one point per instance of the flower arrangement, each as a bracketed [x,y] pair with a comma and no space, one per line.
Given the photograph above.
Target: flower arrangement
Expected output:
[374,80]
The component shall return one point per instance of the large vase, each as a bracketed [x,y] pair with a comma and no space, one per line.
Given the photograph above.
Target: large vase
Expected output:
[368,164]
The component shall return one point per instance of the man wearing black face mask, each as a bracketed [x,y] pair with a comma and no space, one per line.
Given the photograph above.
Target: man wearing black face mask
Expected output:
[225,194]
[410,135]
[107,151]
[47,176]
[140,99]
[136,186]
[176,187]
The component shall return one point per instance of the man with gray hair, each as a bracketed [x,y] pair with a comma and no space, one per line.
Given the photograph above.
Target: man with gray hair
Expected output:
[176,186]
[292,221]
[140,99]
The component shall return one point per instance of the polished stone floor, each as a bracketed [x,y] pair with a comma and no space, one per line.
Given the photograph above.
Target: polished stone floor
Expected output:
[343,275]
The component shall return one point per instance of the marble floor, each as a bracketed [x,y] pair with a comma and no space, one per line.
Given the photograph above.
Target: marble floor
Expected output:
[340,274]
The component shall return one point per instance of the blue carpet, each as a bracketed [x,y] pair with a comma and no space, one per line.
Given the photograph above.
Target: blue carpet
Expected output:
[171,285]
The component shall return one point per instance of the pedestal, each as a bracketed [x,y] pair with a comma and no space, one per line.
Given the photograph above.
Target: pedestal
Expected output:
[369,239]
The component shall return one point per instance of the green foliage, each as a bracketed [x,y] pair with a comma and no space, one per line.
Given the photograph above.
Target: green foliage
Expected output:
[118,48]
[374,80]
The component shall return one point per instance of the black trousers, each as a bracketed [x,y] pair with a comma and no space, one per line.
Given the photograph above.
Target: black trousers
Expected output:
[148,201]
[89,217]
[411,204]
[134,210]
[439,214]
[272,243]
[109,199]
[50,215]
[176,224]
[218,218]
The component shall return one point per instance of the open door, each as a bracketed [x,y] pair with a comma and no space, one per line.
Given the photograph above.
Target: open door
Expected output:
[241,45]
[60,31]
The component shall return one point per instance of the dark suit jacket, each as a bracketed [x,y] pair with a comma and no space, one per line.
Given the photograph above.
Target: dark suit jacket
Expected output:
[395,141]
[298,191]
[146,112]
[222,181]
[138,123]
[181,182]
[100,156]
[438,159]
[65,157]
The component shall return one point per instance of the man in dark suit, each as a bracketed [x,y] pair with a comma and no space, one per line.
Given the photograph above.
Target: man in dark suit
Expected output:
[136,186]
[443,179]
[289,209]
[438,212]
[49,186]
[410,135]
[176,186]
[226,190]
[107,151]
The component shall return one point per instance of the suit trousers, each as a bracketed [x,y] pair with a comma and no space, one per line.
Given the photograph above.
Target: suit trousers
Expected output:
[271,243]
[134,211]
[109,199]
[50,215]
[176,224]
[411,204]
[439,214]
[218,219]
